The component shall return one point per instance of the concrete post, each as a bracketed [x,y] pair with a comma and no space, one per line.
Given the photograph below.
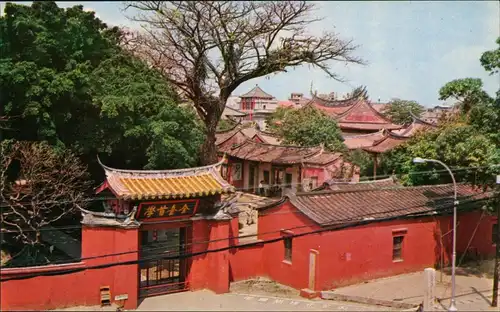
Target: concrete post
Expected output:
[429,289]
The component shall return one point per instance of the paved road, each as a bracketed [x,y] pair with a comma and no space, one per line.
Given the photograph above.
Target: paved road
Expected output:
[206,300]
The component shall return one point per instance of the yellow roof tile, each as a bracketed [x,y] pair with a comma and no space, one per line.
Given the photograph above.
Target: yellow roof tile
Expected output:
[157,184]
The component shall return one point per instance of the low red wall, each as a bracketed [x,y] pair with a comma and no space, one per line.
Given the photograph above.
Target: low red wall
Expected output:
[245,262]
[356,254]
[342,257]
[81,288]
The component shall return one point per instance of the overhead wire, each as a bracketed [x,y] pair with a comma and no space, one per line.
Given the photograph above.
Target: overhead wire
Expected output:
[190,255]
[163,247]
[114,198]
[248,244]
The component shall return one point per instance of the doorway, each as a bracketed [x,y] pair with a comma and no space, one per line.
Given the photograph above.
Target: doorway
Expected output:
[161,276]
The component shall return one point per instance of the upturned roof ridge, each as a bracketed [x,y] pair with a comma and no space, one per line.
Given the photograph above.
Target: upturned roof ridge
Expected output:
[167,171]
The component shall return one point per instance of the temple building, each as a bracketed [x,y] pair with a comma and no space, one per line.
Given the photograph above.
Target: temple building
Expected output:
[281,169]
[155,231]
[230,113]
[355,115]
[240,133]
[258,104]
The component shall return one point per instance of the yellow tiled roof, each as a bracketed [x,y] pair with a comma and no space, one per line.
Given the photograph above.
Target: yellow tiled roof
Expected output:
[167,184]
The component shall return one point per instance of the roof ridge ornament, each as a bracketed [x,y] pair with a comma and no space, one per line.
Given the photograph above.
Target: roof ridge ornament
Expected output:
[165,171]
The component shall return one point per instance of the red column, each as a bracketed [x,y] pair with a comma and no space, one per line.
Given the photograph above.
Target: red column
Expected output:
[209,270]
[219,261]
[122,279]
[197,273]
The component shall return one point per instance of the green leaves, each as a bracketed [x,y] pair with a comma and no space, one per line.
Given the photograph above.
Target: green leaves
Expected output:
[399,110]
[275,120]
[311,127]
[64,79]
[140,109]
[490,60]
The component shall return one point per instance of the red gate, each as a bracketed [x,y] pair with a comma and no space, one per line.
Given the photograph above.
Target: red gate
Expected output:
[161,276]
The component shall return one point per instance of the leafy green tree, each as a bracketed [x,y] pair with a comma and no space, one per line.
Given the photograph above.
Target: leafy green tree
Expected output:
[140,114]
[65,80]
[47,56]
[363,160]
[468,91]
[399,110]
[457,145]
[225,124]
[277,116]
[311,127]
[490,60]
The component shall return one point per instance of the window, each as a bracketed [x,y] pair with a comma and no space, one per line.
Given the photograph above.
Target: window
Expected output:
[288,180]
[264,106]
[494,229]
[266,176]
[397,248]
[314,183]
[288,248]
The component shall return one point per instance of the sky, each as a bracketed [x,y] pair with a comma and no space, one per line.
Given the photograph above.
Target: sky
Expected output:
[411,48]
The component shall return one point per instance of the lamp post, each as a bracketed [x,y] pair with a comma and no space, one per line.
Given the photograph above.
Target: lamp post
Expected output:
[419,160]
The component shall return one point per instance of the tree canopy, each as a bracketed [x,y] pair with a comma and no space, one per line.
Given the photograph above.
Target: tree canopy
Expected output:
[398,110]
[468,91]
[309,126]
[65,79]
[275,120]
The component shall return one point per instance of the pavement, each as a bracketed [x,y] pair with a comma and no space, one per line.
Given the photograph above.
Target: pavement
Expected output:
[205,300]
[208,301]
[473,293]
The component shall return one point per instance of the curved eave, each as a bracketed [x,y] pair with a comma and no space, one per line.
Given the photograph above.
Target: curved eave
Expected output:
[169,171]
[368,126]
[314,152]
[389,123]
[418,120]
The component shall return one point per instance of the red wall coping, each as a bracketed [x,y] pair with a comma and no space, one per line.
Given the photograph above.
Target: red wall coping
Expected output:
[44,268]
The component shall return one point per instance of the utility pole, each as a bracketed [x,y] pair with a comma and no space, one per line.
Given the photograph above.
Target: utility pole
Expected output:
[494,300]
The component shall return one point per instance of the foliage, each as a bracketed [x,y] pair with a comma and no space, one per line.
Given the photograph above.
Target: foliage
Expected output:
[363,160]
[225,124]
[490,60]
[140,115]
[468,91]
[48,54]
[399,110]
[39,185]
[65,80]
[311,127]
[457,145]
[470,143]
[277,116]
[209,48]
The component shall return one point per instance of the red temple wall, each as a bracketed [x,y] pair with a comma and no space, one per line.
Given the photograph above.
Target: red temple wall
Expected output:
[343,257]
[81,288]
[365,252]
[245,262]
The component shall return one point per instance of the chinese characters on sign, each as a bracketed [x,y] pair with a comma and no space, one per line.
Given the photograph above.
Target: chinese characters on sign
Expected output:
[167,209]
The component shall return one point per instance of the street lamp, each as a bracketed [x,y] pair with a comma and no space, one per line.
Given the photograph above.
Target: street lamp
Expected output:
[419,160]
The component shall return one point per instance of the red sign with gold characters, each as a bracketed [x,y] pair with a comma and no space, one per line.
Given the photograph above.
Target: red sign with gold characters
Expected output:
[167,210]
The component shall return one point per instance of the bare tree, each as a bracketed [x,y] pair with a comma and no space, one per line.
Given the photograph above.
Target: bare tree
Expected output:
[38,186]
[208,48]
